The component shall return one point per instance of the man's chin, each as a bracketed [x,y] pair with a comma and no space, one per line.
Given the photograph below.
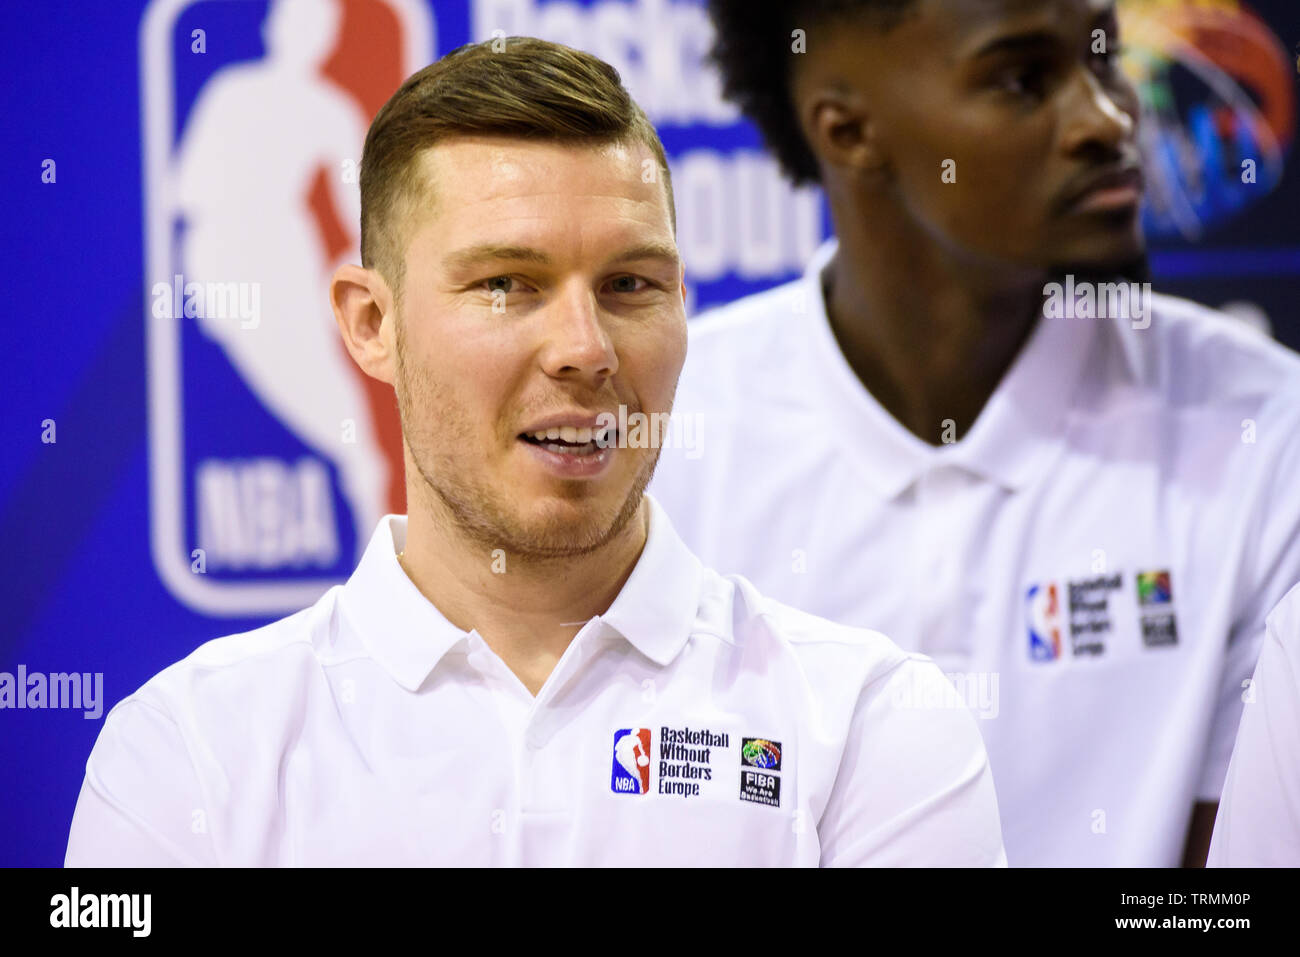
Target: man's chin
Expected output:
[1130,268]
[539,520]
[559,527]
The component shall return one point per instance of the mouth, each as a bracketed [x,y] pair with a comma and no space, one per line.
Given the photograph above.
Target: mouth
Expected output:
[1113,191]
[570,452]
[570,440]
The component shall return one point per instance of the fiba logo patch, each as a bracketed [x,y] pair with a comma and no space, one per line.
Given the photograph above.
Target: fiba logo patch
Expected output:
[1154,588]
[760,771]
[631,767]
[761,753]
[1156,607]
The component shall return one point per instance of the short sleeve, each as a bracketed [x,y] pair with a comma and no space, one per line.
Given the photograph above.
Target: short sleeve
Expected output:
[141,802]
[1271,565]
[1258,824]
[914,787]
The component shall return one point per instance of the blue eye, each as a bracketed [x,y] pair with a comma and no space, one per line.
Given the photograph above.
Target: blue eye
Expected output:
[627,279]
[506,282]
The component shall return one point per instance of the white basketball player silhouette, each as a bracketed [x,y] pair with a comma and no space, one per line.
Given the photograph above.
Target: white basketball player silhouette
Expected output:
[631,756]
[258,135]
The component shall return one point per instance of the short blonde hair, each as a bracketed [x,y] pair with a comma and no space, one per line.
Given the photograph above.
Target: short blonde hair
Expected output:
[516,86]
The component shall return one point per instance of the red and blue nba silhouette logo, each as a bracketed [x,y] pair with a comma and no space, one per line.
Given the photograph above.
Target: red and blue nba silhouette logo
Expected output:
[1043,622]
[631,773]
[272,456]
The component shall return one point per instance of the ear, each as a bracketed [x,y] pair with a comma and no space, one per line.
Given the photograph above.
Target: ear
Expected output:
[363,308]
[841,131]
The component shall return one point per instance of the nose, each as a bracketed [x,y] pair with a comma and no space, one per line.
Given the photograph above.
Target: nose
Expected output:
[1098,114]
[577,345]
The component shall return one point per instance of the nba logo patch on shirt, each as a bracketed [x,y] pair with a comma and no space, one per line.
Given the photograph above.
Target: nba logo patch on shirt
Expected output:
[631,771]
[1043,622]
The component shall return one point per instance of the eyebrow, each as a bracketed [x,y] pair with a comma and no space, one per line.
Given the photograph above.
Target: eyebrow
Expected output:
[470,256]
[1035,39]
[650,250]
[1017,43]
[486,252]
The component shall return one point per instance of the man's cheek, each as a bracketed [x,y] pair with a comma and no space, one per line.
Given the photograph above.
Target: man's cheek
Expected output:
[654,365]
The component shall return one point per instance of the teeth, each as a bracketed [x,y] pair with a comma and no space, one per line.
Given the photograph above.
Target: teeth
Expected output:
[569,433]
[575,436]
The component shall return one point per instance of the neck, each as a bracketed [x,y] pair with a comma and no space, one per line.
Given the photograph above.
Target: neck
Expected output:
[928,330]
[527,610]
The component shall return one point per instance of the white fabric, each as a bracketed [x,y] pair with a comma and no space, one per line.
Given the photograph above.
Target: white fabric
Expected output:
[1107,450]
[368,729]
[1259,817]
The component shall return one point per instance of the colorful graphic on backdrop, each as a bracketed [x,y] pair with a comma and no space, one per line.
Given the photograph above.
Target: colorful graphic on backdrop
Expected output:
[1218,99]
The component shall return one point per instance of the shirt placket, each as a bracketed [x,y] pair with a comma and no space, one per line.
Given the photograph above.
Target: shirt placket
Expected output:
[539,822]
[943,624]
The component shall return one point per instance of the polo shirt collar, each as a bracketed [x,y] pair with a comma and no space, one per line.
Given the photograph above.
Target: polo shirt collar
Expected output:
[658,604]
[1017,434]
[406,634]
[401,629]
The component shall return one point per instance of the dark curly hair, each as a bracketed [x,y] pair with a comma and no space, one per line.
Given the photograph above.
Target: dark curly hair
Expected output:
[752,49]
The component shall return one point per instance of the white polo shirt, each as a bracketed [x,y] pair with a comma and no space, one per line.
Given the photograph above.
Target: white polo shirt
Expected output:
[695,723]
[1091,563]
[1259,817]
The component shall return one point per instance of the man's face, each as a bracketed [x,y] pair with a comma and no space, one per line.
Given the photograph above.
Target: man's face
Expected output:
[542,289]
[1014,92]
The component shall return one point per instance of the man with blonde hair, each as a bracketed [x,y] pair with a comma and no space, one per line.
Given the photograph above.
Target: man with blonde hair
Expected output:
[529,667]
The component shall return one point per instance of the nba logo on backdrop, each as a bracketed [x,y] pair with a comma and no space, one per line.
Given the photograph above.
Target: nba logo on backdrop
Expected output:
[631,771]
[272,457]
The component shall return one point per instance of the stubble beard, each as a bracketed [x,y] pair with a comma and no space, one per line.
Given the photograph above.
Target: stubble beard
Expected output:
[474,512]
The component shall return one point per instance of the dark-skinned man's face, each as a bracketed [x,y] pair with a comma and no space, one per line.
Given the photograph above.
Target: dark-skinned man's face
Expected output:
[1016,94]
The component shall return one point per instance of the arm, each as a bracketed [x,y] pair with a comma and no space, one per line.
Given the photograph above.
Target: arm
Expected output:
[1199,833]
[141,803]
[1259,822]
[1268,568]
[914,786]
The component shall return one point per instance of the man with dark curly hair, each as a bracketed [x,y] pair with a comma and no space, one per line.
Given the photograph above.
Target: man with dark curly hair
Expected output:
[971,424]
